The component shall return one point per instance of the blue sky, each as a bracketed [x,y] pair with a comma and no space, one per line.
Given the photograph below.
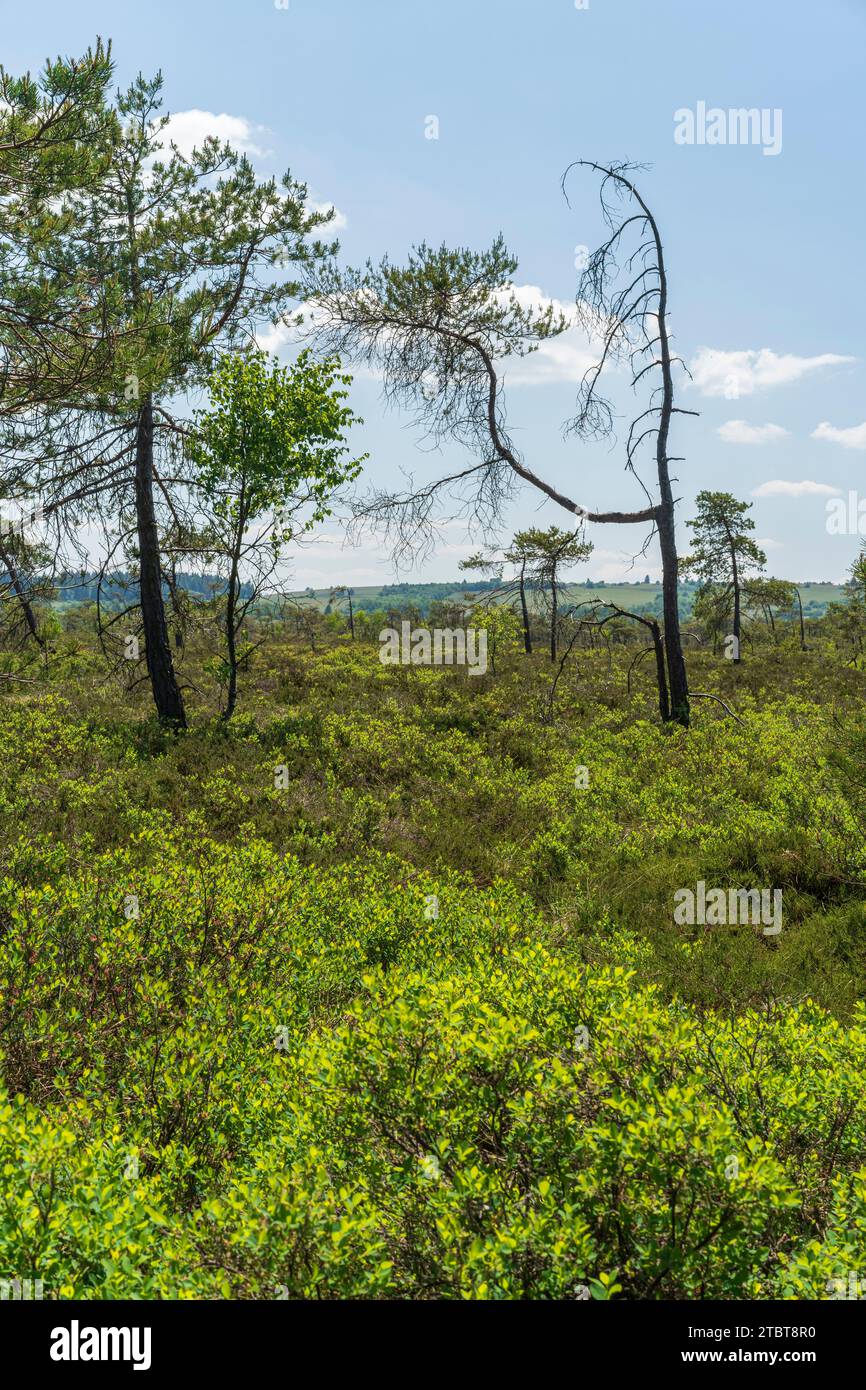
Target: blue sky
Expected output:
[764,251]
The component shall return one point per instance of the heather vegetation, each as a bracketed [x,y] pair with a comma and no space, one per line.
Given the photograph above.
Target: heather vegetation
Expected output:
[415,1020]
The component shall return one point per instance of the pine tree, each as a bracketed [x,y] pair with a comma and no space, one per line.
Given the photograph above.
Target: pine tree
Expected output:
[723,556]
[194,252]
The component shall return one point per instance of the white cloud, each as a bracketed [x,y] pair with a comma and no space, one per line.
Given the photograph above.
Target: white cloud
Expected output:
[189,130]
[338,222]
[767,543]
[560,359]
[564,358]
[739,432]
[780,487]
[359,576]
[735,374]
[852,438]
[288,336]
[613,566]
[276,337]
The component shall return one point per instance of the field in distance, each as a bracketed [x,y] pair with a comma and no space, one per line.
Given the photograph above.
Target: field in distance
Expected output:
[635,597]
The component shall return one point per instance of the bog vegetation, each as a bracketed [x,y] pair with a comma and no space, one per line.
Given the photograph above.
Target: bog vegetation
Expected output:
[327,979]
[416,1020]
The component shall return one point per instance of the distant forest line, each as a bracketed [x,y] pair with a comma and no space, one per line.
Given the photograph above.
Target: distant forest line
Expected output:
[641,596]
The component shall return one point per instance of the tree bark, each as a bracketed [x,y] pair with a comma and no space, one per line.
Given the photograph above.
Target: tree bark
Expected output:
[21,594]
[527,635]
[736,580]
[664,698]
[163,681]
[802,624]
[660,656]
[677,678]
[231,649]
[678,683]
[231,639]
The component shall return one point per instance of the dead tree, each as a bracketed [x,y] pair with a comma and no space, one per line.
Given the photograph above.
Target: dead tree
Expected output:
[623,297]
[437,329]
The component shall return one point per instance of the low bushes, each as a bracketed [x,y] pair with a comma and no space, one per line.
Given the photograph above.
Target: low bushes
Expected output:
[233,1075]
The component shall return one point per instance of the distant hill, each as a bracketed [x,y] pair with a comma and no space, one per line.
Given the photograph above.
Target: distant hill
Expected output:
[121,589]
[638,597]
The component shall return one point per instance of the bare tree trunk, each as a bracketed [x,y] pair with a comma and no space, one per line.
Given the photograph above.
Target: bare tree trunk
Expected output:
[677,679]
[231,644]
[802,624]
[527,635]
[736,578]
[232,596]
[553,615]
[175,606]
[21,594]
[660,655]
[664,699]
[166,691]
